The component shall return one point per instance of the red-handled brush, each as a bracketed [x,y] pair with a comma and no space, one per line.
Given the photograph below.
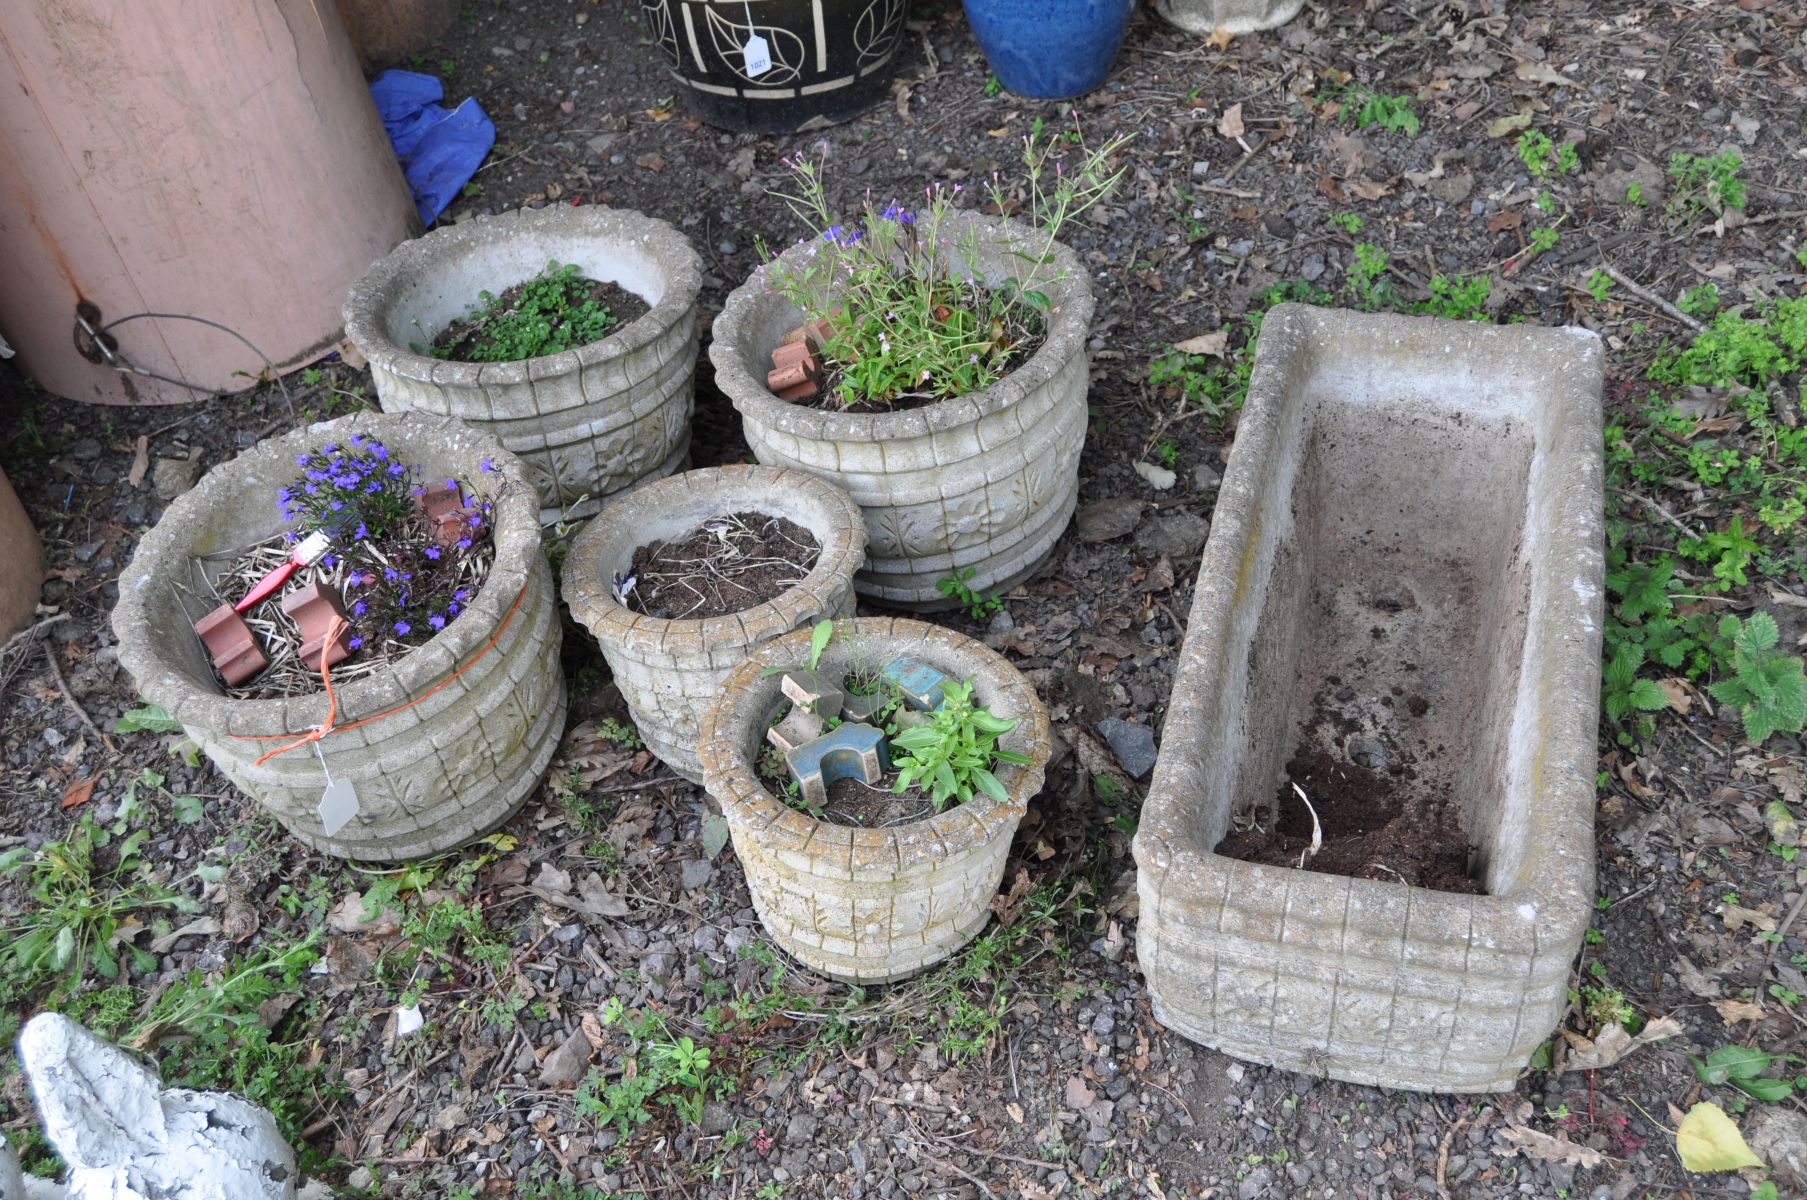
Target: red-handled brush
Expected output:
[308,551]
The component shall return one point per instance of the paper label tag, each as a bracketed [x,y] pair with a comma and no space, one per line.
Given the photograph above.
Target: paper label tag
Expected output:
[758,56]
[338,805]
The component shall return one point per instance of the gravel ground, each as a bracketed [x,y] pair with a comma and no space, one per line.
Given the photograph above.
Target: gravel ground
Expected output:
[1029,1066]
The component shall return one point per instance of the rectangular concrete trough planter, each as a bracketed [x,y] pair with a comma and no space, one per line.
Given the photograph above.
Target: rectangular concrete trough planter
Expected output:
[1409,500]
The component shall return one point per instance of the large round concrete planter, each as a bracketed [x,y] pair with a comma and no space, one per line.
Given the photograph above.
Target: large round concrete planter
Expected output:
[21,568]
[985,481]
[587,422]
[671,671]
[464,754]
[870,905]
[1233,16]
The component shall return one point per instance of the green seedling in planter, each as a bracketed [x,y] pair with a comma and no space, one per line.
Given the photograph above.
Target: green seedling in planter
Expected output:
[551,313]
[906,319]
[1767,687]
[954,752]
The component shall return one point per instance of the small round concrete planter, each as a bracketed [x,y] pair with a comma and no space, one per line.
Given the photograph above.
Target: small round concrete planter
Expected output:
[1233,16]
[477,711]
[588,422]
[671,671]
[871,905]
[985,481]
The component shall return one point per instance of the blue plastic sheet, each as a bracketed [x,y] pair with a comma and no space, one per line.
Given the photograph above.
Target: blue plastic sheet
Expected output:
[439,148]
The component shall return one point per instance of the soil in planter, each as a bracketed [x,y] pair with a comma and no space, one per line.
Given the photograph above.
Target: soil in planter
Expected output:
[480,336]
[851,801]
[1379,820]
[724,565]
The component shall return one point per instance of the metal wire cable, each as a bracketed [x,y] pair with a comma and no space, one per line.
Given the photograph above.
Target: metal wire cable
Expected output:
[125,366]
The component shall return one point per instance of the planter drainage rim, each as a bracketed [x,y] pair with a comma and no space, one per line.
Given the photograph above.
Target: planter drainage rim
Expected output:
[165,555]
[591,597]
[1070,321]
[729,767]
[367,299]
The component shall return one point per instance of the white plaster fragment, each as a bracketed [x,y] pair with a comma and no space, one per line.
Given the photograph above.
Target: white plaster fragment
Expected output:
[408,1019]
[1527,912]
[127,1137]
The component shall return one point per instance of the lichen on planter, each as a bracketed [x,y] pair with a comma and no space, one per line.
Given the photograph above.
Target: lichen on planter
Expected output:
[459,731]
[587,422]
[1460,464]
[870,905]
[1232,16]
[671,671]
[985,481]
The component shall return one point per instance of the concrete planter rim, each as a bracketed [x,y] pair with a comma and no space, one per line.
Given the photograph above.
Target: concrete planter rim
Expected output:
[370,296]
[749,694]
[164,554]
[1068,325]
[592,601]
[1166,841]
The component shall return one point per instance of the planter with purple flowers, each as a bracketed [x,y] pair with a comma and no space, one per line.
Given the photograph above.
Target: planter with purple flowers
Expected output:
[449,702]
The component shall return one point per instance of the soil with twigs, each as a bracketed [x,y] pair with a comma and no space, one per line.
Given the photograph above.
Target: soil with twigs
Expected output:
[725,565]
[1032,1064]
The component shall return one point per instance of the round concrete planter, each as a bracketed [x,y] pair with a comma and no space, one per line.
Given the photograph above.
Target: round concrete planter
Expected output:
[870,905]
[587,422]
[21,568]
[985,481]
[1234,16]
[466,752]
[671,671]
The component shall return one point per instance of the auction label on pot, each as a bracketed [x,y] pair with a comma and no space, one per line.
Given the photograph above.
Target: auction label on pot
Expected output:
[758,55]
[338,805]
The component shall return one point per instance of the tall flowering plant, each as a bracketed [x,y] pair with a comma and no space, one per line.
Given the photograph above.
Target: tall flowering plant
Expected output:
[908,313]
[403,583]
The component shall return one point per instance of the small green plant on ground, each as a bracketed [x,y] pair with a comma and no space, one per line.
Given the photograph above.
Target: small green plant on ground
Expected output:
[953,753]
[657,1066]
[1599,283]
[1369,108]
[978,605]
[609,729]
[551,313]
[1742,1067]
[1350,223]
[75,907]
[1702,187]
[1535,150]
[1766,685]
[1702,301]
[1167,453]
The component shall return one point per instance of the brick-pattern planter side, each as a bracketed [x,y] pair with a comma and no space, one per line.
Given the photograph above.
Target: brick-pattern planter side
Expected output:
[1235,16]
[671,671]
[590,421]
[452,766]
[986,480]
[870,905]
[1361,979]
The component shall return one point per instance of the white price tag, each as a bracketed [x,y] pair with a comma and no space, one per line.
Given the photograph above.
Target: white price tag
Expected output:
[338,805]
[758,56]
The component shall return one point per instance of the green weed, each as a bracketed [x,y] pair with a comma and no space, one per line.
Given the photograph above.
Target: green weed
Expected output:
[552,313]
[1766,685]
[1702,187]
[978,605]
[1369,109]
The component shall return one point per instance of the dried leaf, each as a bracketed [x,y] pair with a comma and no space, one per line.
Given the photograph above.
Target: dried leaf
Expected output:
[1369,189]
[199,927]
[1215,344]
[1676,691]
[1230,124]
[1536,72]
[652,161]
[1220,38]
[1079,1096]
[141,461]
[1734,1011]
[1504,222]
[1507,126]
[1736,916]
[1708,1141]
[1614,1044]
[1159,478]
[78,792]
[1545,1148]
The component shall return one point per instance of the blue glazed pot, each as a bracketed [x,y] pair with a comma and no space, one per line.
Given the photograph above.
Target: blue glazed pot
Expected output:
[1049,49]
